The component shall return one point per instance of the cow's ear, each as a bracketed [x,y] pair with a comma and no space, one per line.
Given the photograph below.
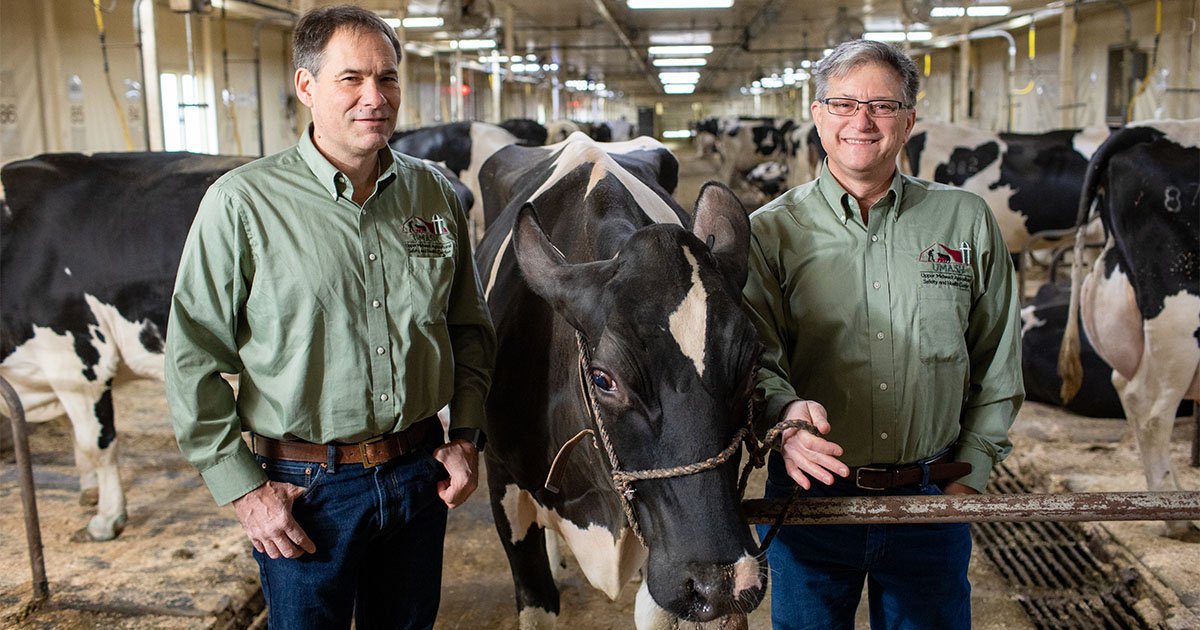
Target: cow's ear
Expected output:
[721,222]
[574,291]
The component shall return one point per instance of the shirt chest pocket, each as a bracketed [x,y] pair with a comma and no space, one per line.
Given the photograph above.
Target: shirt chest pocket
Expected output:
[432,279]
[942,318]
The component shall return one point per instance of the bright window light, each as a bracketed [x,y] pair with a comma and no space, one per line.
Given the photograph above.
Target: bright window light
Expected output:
[679,88]
[679,62]
[679,77]
[694,49]
[679,4]
[677,133]
[995,10]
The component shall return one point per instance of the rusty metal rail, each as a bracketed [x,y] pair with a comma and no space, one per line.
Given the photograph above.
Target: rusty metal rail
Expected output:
[33,529]
[981,508]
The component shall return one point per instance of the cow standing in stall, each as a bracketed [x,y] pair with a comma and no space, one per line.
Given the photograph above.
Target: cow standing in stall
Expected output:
[88,254]
[1140,303]
[618,315]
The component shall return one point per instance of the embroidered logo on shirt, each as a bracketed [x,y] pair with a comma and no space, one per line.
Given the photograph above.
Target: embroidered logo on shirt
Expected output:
[424,238]
[948,267]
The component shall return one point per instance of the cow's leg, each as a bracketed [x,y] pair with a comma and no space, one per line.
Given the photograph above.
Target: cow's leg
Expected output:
[524,540]
[1151,399]
[89,486]
[96,454]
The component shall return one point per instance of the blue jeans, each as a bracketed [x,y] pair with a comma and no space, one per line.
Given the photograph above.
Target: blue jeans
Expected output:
[378,533]
[916,575]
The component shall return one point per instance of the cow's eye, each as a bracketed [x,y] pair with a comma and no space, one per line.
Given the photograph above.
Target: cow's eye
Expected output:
[603,381]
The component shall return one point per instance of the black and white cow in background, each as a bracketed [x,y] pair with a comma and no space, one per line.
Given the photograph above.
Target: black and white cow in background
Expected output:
[608,253]
[748,143]
[1140,303]
[1030,181]
[529,133]
[88,254]
[462,147]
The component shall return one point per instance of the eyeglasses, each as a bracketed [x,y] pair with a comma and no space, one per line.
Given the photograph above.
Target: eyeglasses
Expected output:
[875,109]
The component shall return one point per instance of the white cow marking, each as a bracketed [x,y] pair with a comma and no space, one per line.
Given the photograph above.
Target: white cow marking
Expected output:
[689,321]
[67,270]
[608,562]
[536,619]
[1185,133]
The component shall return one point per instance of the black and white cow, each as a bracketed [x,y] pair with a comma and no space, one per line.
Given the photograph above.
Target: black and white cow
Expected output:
[530,133]
[748,143]
[462,147]
[1030,181]
[1140,303]
[88,253]
[610,255]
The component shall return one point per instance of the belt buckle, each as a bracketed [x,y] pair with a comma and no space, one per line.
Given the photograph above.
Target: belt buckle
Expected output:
[364,455]
[858,477]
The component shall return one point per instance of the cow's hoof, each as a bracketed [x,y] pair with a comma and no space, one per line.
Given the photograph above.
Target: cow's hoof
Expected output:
[100,530]
[89,497]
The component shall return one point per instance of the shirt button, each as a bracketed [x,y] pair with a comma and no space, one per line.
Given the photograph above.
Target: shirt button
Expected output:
[883,386]
[879,335]
[883,436]
[874,238]
[379,350]
[370,256]
[876,285]
[383,397]
[376,303]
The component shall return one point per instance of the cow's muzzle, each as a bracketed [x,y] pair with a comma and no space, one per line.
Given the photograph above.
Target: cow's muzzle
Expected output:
[711,592]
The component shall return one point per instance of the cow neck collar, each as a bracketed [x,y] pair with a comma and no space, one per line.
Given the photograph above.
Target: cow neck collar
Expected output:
[331,179]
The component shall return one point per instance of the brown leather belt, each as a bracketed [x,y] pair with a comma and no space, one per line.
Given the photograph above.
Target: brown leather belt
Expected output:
[372,452]
[889,477]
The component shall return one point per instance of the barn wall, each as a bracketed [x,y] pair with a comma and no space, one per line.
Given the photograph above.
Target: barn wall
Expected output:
[1040,109]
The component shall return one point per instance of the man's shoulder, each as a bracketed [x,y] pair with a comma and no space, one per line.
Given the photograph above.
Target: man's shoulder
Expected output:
[790,203]
[262,168]
[417,169]
[943,193]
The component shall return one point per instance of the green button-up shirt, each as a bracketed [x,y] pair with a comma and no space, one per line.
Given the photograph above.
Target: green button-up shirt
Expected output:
[342,322]
[905,328]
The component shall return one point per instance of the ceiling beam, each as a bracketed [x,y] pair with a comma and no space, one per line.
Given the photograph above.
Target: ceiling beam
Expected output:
[602,8]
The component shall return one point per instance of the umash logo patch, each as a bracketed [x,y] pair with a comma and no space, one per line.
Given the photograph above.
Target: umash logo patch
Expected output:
[948,267]
[427,238]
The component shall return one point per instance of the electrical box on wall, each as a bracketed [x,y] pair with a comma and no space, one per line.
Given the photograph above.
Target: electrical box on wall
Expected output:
[1127,67]
[191,6]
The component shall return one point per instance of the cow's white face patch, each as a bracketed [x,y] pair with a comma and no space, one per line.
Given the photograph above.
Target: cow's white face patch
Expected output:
[689,321]
[607,562]
[1029,319]
[747,575]
[583,150]
[491,281]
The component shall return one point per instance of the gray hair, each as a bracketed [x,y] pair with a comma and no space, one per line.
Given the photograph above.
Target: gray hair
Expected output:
[316,28]
[851,54]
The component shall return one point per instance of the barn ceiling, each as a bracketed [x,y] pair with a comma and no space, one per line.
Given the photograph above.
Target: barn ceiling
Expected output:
[607,42]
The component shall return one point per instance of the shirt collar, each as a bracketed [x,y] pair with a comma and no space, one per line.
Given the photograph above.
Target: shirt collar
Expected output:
[839,200]
[331,179]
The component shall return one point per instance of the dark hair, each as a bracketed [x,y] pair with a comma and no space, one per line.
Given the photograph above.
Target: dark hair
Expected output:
[316,28]
[851,54]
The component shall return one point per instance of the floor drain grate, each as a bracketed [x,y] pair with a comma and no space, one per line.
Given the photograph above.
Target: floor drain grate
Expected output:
[1052,569]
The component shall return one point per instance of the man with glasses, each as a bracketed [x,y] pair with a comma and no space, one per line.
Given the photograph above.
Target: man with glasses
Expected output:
[888,311]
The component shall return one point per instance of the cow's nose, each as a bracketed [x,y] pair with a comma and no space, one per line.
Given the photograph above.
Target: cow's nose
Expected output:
[716,591]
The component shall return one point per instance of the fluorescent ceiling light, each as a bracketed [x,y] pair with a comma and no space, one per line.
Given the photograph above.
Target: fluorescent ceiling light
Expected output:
[428,21]
[679,88]
[995,10]
[677,133]
[681,50]
[679,77]
[771,82]
[681,38]
[671,62]
[679,4]
[472,44]
[898,36]
[991,10]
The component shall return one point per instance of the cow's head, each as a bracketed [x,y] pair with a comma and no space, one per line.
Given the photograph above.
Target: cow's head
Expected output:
[672,358]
